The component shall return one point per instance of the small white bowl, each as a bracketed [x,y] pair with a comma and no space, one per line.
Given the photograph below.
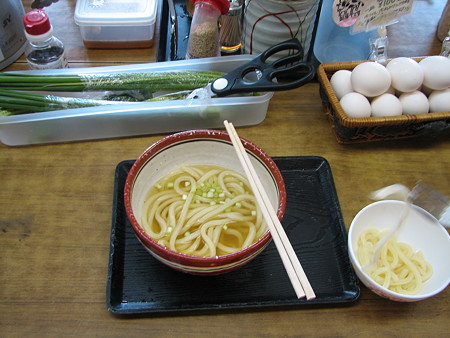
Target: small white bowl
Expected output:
[421,231]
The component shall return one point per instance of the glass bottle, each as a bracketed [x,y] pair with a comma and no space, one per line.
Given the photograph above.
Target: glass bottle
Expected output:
[445,51]
[204,32]
[379,45]
[231,28]
[190,7]
[43,51]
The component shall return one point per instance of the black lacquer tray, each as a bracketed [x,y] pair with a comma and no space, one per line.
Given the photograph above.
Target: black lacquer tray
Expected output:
[138,283]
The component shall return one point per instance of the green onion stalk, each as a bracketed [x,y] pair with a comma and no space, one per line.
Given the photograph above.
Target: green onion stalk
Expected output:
[17,97]
[13,102]
[151,81]
[17,102]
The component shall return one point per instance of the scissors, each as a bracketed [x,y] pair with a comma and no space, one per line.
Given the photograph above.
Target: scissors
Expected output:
[259,75]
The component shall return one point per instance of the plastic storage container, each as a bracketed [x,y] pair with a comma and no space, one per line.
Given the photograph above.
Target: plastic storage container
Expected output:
[123,120]
[115,23]
[338,44]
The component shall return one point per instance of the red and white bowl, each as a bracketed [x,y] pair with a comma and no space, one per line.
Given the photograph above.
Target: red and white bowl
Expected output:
[211,147]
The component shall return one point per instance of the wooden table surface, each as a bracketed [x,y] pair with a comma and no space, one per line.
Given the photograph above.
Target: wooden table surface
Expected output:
[56,203]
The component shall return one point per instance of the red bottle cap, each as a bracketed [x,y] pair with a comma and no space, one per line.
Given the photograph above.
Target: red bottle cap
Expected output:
[36,22]
[222,5]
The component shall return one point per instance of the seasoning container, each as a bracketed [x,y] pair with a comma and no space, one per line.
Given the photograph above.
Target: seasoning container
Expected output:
[204,32]
[190,7]
[117,24]
[445,51]
[230,33]
[44,50]
[12,36]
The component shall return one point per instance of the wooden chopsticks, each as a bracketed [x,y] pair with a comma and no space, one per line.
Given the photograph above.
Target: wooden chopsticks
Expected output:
[290,260]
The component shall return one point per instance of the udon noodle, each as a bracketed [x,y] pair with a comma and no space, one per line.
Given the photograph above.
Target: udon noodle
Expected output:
[203,211]
[398,268]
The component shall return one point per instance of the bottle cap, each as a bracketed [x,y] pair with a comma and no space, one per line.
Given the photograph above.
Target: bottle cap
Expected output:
[222,5]
[36,23]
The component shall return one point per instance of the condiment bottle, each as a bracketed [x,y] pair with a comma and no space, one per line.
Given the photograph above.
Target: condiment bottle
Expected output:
[204,33]
[445,51]
[190,7]
[44,51]
[231,28]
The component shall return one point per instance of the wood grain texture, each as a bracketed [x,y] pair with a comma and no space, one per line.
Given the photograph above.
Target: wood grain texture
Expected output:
[56,210]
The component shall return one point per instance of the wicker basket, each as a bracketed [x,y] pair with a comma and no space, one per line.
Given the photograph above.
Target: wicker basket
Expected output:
[366,129]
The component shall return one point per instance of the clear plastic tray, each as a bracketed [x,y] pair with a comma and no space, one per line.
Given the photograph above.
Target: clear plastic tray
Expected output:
[141,118]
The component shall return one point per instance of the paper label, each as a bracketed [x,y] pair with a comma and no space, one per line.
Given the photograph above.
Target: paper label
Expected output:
[369,14]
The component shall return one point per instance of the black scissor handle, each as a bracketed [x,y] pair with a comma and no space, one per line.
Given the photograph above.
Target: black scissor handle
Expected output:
[268,74]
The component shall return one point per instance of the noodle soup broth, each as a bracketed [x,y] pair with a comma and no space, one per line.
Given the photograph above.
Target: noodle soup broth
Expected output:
[203,210]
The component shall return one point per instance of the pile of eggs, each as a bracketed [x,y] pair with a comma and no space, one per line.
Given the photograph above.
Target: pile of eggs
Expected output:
[403,86]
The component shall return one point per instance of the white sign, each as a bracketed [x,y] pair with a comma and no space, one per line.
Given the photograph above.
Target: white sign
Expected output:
[369,14]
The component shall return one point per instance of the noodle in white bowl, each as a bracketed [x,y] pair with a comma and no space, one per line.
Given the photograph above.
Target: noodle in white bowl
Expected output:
[420,234]
[398,268]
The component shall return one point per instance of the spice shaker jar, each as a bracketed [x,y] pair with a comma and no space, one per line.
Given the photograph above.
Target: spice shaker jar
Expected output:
[44,50]
[445,51]
[231,28]
[204,33]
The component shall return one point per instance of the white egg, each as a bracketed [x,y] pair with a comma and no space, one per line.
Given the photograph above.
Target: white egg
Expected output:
[355,105]
[439,101]
[386,105]
[436,70]
[370,79]
[406,74]
[414,102]
[340,81]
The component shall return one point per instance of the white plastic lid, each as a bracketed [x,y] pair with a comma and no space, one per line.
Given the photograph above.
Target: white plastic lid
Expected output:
[115,12]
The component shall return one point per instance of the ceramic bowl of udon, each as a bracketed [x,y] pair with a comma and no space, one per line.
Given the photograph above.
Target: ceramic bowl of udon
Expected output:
[191,148]
[421,232]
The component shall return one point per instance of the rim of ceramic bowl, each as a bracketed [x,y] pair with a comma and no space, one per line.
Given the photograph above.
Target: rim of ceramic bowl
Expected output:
[380,289]
[181,258]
